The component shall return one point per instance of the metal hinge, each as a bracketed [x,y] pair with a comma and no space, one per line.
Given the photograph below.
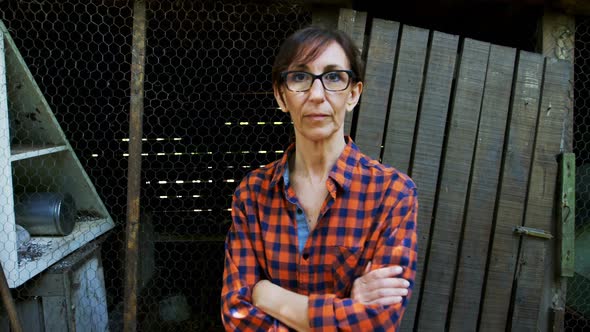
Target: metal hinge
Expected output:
[535,232]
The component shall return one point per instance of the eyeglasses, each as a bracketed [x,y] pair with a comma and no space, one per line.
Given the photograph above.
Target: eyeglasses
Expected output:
[301,81]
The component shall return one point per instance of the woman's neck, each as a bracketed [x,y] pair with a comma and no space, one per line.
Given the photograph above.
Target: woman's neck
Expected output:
[315,159]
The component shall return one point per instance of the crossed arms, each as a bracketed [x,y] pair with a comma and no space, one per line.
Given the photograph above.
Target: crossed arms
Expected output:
[251,301]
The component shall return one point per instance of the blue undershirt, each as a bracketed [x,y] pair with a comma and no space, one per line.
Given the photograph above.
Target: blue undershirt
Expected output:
[302,227]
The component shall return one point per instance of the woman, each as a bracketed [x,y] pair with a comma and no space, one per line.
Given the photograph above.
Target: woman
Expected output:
[325,237]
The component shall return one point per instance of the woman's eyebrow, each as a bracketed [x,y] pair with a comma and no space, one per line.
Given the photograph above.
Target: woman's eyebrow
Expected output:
[299,66]
[332,67]
[305,67]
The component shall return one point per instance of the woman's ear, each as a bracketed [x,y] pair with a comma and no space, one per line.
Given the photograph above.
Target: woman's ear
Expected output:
[354,96]
[279,98]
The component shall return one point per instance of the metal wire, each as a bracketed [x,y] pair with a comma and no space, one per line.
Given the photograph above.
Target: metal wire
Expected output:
[578,288]
[209,117]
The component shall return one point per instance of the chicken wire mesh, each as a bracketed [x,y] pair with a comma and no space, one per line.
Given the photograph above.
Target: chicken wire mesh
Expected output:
[209,117]
[578,293]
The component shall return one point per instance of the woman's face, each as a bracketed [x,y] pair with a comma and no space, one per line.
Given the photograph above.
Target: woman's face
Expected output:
[318,114]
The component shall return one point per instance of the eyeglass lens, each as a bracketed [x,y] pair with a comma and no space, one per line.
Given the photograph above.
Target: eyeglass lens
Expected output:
[332,80]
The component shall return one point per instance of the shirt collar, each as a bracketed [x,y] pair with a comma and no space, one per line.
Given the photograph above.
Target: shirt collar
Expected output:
[341,172]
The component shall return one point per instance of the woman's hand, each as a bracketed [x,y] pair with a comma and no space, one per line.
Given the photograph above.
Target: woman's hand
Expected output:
[380,286]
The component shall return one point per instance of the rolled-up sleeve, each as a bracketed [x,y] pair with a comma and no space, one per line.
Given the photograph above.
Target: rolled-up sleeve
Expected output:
[397,245]
[241,272]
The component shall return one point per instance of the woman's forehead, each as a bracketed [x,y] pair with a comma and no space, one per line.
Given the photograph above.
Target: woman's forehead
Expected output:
[331,56]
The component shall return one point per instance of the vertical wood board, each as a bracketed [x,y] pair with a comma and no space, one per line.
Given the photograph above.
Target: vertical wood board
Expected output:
[89,296]
[403,111]
[431,129]
[454,180]
[482,191]
[55,313]
[373,108]
[30,315]
[353,23]
[540,208]
[513,188]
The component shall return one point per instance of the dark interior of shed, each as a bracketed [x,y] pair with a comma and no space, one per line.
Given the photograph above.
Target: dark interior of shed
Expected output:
[503,22]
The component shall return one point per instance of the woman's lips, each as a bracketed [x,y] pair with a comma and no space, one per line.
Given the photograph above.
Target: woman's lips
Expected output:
[316,117]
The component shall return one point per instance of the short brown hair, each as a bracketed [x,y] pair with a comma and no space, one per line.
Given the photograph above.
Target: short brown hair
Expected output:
[308,43]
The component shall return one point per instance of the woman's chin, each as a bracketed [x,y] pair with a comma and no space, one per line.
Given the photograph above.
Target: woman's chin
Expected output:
[321,134]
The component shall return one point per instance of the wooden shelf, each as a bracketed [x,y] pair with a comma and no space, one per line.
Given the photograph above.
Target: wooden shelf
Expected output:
[20,152]
[41,252]
[47,163]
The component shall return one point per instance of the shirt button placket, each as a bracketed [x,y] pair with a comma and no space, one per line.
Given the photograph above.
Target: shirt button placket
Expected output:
[304,273]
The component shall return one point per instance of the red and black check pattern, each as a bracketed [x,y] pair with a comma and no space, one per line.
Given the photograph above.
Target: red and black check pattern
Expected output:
[370,215]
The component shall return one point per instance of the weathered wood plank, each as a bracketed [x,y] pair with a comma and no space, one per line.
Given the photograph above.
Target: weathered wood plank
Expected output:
[30,315]
[379,71]
[403,110]
[446,233]
[55,313]
[353,23]
[49,284]
[566,214]
[431,128]
[482,191]
[554,110]
[514,181]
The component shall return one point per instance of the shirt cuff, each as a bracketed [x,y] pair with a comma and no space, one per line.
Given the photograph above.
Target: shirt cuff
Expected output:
[321,311]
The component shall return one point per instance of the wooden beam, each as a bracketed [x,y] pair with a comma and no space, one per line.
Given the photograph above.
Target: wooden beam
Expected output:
[557,36]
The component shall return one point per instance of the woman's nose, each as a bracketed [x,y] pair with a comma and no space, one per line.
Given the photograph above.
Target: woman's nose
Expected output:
[317,89]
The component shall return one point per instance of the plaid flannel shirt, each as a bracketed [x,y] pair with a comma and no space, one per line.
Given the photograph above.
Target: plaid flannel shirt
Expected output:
[370,215]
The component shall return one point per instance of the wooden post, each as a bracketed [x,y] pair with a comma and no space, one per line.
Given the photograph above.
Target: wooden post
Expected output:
[134,171]
[557,41]
[557,37]
[8,303]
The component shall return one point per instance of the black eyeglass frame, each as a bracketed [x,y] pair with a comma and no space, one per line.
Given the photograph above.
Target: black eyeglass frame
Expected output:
[351,77]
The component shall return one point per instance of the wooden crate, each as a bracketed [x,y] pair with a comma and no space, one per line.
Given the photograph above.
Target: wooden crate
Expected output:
[69,296]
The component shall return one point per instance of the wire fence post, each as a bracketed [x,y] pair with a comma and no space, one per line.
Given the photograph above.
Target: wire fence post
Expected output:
[134,173]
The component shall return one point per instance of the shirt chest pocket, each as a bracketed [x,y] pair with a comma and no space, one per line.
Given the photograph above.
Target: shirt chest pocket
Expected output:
[346,265]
